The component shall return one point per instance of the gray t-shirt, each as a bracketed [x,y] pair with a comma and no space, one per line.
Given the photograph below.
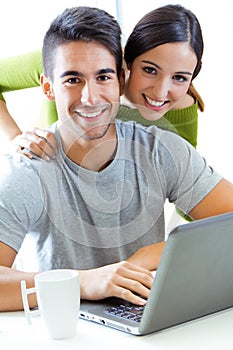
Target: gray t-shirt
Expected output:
[83,219]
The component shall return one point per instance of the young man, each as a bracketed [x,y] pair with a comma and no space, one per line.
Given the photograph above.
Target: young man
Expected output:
[100,201]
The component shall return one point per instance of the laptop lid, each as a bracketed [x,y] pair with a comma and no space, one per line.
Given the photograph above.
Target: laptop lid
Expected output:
[194,279]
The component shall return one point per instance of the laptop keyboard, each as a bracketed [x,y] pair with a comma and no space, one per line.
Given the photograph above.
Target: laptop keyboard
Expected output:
[128,311]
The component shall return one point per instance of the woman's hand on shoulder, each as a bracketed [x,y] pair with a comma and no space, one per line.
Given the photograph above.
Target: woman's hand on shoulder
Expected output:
[37,142]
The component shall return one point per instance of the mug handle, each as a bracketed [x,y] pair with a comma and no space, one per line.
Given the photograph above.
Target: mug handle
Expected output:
[27,311]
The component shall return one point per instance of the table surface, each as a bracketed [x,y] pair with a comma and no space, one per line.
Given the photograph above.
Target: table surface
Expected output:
[210,332]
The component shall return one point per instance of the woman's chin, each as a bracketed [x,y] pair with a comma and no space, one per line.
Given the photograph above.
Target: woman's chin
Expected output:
[151,114]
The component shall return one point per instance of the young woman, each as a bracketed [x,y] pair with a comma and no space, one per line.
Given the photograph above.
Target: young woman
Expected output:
[163,55]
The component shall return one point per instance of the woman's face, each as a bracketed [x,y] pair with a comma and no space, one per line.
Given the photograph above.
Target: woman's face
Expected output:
[159,79]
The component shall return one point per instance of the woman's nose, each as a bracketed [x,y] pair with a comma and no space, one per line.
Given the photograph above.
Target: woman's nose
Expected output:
[160,89]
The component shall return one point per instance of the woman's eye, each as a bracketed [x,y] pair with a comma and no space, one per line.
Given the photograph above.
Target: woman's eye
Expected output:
[150,70]
[180,78]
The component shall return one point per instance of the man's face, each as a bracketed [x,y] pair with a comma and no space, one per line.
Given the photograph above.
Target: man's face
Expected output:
[86,89]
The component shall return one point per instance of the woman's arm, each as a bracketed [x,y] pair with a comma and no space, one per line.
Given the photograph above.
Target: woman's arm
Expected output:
[40,142]
[21,72]
[8,126]
[18,72]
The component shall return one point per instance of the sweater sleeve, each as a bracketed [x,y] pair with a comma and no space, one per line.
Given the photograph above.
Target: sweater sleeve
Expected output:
[183,122]
[22,72]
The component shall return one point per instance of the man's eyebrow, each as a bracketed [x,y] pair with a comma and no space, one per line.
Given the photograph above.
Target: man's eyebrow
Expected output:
[79,74]
[158,67]
[106,70]
[71,72]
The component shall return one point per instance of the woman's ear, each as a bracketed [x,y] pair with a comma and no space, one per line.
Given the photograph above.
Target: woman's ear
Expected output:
[47,87]
[122,82]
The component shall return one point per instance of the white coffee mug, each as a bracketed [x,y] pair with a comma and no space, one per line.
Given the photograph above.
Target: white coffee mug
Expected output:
[58,296]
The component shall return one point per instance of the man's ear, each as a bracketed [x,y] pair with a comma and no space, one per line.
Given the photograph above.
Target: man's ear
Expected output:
[122,82]
[47,87]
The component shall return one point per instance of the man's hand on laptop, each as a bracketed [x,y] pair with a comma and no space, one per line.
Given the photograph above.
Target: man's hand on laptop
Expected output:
[123,280]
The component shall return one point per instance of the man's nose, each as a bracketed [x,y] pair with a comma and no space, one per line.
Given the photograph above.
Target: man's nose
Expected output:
[88,93]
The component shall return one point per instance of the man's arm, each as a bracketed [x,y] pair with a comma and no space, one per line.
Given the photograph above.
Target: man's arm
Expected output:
[148,257]
[123,280]
[10,290]
[218,201]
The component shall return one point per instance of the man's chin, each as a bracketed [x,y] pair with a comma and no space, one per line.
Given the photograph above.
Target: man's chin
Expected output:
[97,132]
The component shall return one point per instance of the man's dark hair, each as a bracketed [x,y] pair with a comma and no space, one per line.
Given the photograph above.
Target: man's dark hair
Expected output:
[84,23]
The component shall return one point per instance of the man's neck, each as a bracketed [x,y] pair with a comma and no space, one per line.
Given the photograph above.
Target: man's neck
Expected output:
[94,155]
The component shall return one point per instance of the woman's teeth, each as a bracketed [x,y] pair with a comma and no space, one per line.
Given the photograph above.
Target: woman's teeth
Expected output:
[153,102]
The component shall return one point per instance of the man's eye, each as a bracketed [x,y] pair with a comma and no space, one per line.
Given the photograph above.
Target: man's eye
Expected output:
[72,80]
[150,70]
[103,78]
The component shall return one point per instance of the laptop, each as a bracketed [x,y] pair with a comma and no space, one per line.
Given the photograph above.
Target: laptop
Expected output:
[194,279]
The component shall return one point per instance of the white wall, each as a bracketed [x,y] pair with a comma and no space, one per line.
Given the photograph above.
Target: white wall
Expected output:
[23,23]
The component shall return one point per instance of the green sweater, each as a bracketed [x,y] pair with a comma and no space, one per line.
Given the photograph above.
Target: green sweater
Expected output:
[24,71]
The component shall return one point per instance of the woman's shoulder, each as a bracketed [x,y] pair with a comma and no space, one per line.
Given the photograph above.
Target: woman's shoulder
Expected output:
[187,101]
[182,121]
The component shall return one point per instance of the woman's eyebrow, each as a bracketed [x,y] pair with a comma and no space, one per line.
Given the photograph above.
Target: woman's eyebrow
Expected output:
[187,73]
[152,63]
[158,67]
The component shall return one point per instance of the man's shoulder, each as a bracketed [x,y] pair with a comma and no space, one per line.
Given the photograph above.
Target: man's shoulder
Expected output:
[151,130]
[155,139]
[17,169]
[14,159]
[132,125]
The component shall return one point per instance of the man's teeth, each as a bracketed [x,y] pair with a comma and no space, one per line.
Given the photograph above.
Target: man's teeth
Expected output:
[89,115]
[153,102]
